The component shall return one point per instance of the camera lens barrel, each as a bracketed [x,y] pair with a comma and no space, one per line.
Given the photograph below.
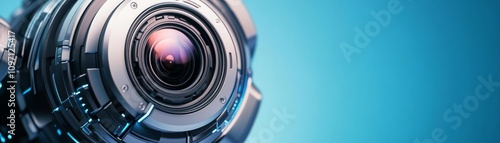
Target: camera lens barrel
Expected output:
[134,71]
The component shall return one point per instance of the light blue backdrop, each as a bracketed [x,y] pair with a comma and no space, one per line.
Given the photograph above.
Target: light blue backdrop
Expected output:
[396,89]
[427,58]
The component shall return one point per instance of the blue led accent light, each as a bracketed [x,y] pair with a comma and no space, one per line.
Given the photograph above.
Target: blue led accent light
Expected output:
[83,86]
[9,137]
[2,138]
[59,131]
[77,92]
[239,89]
[26,91]
[57,91]
[73,138]
[124,128]
[235,107]
[147,114]
[55,110]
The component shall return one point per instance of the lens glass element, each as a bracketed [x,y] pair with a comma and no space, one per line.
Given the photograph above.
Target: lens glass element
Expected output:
[172,58]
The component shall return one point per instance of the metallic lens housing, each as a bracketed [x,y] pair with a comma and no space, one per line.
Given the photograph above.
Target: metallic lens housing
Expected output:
[133,71]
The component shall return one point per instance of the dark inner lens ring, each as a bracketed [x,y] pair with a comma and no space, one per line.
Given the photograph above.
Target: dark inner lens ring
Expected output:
[174,61]
[172,58]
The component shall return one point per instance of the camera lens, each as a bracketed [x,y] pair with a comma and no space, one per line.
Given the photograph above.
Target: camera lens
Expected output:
[130,71]
[173,59]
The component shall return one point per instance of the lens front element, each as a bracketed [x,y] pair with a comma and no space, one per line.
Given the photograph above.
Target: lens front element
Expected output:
[172,58]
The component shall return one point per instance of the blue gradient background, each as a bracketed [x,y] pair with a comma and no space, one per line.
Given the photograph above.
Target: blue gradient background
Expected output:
[396,90]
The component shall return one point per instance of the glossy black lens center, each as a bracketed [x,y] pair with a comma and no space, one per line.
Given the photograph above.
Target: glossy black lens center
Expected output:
[173,59]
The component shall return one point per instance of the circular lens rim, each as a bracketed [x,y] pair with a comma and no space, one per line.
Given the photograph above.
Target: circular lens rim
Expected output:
[234,69]
[208,83]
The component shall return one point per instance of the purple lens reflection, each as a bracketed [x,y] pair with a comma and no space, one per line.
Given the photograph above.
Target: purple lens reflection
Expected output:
[172,56]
